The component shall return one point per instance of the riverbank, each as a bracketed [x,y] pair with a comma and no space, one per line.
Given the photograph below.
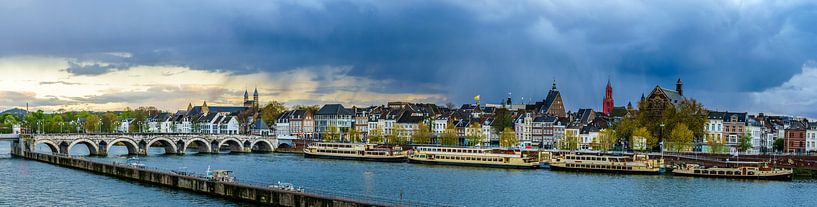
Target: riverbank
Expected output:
[227,190]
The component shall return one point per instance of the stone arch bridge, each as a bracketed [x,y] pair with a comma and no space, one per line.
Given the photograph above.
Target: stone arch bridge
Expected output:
[138,144]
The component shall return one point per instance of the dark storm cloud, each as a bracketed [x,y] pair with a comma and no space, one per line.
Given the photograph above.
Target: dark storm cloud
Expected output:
[460,48]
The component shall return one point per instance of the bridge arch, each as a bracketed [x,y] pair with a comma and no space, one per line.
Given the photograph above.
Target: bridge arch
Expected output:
[261,145]
[170,148]
[133,148]
[55,148]
[93,148]
[203,145]
[233,143]
[284,145]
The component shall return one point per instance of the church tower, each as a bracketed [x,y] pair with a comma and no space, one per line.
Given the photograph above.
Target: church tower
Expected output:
[255,98]
[607,105]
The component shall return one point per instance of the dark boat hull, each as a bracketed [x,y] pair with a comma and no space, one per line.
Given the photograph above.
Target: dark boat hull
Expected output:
[472,164]
[567,169]
[374,159]
[784,177]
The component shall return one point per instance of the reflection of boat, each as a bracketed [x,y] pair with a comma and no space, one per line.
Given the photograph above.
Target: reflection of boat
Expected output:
[220,175]
[135,162]
[637,164]
[475,157]
[739,170]
[353,151]
[286,187]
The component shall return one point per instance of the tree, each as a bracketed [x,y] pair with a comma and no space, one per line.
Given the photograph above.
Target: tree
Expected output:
[138,123]
[715,145]
[507,138]
[474,135]
[641,139]
[92,123]
[375,136]
[502,119]
[109,122]
[778,145]
[449,136]
[680,139]
[354,135]
[450,105]
[271,111]
[312,108]
[422,135]
[332,134]
[745,142]
[393,136]
[606,140]
[569,142]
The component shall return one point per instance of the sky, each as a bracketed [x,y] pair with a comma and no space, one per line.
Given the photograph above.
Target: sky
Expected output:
[755,56]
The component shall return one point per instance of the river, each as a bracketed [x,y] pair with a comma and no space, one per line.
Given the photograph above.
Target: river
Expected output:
[32,183]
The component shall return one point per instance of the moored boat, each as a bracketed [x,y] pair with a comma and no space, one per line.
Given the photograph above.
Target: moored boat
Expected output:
[636,164]
[499,158]
[736,170]
[355,151]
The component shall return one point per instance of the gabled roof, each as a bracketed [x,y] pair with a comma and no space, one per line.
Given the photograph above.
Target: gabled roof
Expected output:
[674,97]
[407,117]
[333,109]
[727,116]
[545,119]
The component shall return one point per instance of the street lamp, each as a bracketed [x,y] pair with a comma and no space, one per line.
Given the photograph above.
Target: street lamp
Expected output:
[661,141]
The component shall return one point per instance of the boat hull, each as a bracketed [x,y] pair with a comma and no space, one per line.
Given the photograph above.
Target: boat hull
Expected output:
[783,177]
[430,162]
[632,172]
[374,159]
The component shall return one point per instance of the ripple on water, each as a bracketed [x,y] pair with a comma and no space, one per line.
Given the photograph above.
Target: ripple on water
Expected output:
[454,185]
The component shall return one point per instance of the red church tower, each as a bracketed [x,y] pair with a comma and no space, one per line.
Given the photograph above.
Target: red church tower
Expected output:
[607,106]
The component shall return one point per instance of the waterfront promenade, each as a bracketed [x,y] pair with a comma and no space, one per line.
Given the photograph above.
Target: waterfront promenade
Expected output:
[239,191]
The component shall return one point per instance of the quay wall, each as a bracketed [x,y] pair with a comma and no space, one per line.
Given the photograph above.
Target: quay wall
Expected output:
[227,190]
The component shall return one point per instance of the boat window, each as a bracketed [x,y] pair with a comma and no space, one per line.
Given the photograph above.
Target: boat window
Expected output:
[751,172]
[737,172]
[729,173]
[721,172]
[713,172]
[697,171]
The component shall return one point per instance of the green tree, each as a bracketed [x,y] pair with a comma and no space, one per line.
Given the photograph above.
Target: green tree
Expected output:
[569,142]
[375,136]
[778,145]
[606,140]
[109,122]
[474,135]
[332,133]
[393,137]
[92,124]
[138,124]
[715,145]
[354,135]
[312,108]
[502,119]
[449,136]
[422,135]
[642,133]
[271,111]
[745,142]
[507,138]
[680,139]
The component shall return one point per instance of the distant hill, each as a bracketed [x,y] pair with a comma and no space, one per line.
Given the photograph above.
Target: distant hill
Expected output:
[15,112]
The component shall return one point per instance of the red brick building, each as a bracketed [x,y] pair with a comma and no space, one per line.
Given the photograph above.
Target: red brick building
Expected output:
[607,106]
[795,138]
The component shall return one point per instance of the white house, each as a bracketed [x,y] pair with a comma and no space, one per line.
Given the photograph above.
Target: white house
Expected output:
[124,125]
[811,138]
